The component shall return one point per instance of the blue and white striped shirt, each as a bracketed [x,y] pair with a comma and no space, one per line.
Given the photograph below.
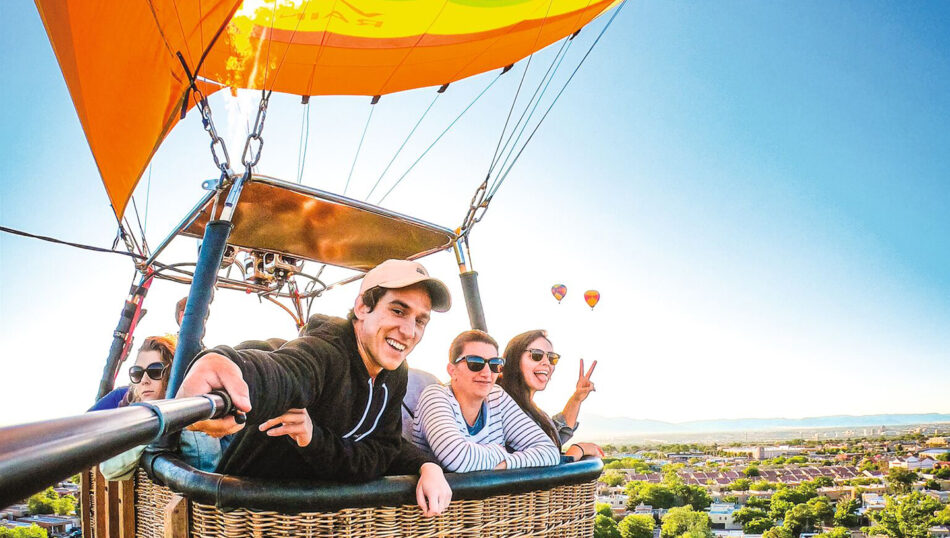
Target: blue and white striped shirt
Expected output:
[440,429]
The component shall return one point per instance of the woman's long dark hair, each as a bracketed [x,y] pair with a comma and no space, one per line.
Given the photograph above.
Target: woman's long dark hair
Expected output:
[512,380]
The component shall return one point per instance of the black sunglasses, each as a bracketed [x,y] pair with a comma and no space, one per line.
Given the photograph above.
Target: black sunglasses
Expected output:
[538,354]
[155,371]
[477,364]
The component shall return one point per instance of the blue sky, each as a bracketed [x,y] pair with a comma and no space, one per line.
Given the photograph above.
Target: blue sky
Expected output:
[758,189]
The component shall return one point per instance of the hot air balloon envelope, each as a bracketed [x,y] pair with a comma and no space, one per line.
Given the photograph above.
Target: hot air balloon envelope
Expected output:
[559,291]
[592,297]
[128,64]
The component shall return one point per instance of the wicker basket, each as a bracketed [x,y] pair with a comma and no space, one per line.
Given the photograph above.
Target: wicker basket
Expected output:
[562,511]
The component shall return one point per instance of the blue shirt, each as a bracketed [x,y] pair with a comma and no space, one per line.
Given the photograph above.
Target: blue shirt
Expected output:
[111,400]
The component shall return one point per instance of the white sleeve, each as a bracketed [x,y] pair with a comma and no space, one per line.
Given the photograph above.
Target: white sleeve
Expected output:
[533,448]
[455,451]
[121,466]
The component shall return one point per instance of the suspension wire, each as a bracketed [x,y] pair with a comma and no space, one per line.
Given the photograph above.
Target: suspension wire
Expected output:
[70,243]
[514,101]
[404,142]
[556,97]
[304,142]
[128,237]
[135,208]
[539,93]
[360,146]
[457,118]
[511,109]
[148,195]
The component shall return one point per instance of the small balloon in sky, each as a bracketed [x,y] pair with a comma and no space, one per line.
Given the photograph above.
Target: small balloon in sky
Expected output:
[559,291]
[592,297]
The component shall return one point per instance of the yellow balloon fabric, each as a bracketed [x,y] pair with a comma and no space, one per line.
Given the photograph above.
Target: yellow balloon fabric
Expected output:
[120,59]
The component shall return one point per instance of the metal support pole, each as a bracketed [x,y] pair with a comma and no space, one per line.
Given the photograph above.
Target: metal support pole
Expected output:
[202,289]
[473,300]
[122,336]
[33,456]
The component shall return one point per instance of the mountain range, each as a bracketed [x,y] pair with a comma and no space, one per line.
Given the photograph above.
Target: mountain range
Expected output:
[623,425]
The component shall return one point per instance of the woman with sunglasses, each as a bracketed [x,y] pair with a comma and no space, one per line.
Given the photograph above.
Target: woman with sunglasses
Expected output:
[149,378]
[468,423]
[530,360]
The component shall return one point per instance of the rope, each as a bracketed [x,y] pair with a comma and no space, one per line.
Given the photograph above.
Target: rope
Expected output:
[304,142]
[518,92]
[359,147]
[391,161]
[457,118]
[539,94]
[556,65]
[70,244]
[556,97]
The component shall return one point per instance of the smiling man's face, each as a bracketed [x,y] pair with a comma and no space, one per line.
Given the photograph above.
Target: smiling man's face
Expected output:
[387,334]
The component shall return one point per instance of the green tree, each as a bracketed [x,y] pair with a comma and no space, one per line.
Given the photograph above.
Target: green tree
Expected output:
[683,519]
[758,525]
[605,527]
[613,478]
[740,484]
[33,531]
[943,473]
[821,510]
[823,482]
[942,517]
[64,506]
[760,485]
[655,495]
[695,496]
[603,508]
[837,532]
[799,518]
[899,481]
[43,502]
[846,513]
[932,484]
[751,471]
[777,532]
[757,502]
[747,514]
[906,516]
[778,508]
[636,526]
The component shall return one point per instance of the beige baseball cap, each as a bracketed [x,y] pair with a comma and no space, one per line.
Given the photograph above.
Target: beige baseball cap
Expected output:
[395,274]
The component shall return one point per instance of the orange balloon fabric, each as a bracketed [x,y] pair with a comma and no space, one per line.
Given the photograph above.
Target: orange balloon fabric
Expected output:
[592,297]
[128,86]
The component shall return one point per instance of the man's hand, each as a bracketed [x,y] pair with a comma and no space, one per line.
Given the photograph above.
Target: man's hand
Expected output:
[432,492]
[215,371]
[295,423]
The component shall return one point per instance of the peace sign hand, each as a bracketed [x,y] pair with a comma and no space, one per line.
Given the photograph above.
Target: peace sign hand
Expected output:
[584,384]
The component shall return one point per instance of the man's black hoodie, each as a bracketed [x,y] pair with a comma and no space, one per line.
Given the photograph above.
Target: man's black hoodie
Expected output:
[356,419]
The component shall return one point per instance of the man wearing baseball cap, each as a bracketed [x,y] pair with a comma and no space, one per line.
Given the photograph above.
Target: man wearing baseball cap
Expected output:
[349,374]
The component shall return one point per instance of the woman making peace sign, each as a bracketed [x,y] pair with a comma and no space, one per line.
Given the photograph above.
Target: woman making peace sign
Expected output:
[530,360]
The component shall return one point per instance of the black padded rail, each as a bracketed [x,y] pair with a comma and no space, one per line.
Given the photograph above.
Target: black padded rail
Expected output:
[295,496]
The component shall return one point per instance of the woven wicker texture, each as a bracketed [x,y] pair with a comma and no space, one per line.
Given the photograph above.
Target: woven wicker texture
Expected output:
[564,511]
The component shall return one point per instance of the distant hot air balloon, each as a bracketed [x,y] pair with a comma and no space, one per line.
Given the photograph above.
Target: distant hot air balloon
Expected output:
[592,296]
[559,291]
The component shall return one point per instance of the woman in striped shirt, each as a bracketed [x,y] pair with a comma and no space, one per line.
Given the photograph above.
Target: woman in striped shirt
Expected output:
[470,424]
